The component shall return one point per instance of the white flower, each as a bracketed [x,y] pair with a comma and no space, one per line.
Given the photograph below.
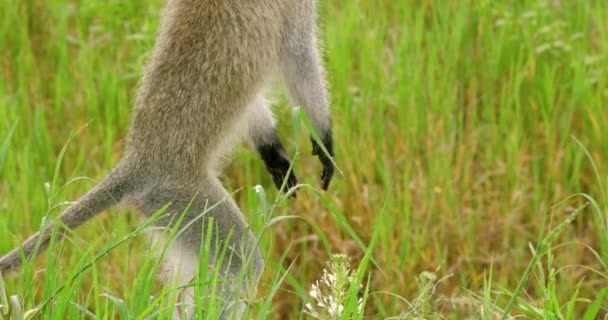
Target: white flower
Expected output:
[331,291]
[314,292]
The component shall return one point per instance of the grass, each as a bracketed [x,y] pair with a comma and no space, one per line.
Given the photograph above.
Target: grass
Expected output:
[470,134]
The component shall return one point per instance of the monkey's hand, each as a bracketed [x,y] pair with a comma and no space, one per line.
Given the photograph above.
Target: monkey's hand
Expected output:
[278,176]
[328,166]
[277,164]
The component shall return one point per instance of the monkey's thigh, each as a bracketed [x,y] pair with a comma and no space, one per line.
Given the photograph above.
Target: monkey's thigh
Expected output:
[195,212]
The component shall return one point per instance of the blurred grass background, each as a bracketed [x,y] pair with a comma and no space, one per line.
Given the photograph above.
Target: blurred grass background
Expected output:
[454,125]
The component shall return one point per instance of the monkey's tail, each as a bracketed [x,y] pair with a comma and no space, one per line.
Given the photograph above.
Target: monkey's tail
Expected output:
[117,184]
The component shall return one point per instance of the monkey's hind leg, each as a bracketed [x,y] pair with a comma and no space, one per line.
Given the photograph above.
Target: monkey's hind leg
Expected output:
[233,253]
[263,138]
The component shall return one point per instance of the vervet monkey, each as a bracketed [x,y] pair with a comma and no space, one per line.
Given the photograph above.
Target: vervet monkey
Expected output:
[201,89]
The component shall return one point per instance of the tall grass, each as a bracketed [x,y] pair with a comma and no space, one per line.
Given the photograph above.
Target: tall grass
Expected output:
[466,131]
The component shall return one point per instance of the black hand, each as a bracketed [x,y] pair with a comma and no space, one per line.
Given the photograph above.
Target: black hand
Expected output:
[328,166]
[277,164]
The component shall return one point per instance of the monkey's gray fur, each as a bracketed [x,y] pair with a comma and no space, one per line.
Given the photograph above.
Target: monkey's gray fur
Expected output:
[202,87]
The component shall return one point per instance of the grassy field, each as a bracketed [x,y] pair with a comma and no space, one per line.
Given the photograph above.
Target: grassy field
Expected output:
[471,136]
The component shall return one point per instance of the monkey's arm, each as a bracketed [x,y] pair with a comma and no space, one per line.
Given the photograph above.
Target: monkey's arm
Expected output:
[304,80]
[263,138]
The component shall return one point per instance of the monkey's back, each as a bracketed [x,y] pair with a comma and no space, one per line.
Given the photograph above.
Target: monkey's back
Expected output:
[209,59]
